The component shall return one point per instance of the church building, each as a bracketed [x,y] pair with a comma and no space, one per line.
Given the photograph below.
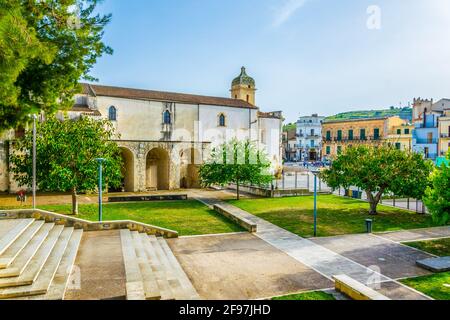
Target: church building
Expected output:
[165,137]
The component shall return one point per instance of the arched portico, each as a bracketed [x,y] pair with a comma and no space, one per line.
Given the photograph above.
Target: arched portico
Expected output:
[128,170]
[157,170]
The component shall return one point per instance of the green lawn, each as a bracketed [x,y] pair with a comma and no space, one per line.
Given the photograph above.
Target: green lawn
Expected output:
[336,215]
[436,286]
[186,217]
[316,295]
[439,247]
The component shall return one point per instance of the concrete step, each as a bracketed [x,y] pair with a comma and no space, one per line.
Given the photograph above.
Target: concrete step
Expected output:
[47,272]
[58,287]
[158,269]
[151,288]
[34,267]
[23,259]
[134,281]
[189,292]
[13,233]
[17,246]
[168,271]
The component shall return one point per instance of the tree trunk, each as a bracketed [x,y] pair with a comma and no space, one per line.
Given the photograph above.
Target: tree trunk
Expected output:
[238,196]
[373,201]
[74,202]
[373,207]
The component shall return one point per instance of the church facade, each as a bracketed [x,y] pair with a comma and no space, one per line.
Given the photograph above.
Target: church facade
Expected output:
[164,137]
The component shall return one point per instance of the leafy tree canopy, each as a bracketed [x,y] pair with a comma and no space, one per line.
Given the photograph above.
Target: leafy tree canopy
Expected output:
[236,162]
[437,196]
[45,48]
[66,153]
[378,170]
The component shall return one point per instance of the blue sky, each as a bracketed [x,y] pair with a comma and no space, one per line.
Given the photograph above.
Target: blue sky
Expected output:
[307,56]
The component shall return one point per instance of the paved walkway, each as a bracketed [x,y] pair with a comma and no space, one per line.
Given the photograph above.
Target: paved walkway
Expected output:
[314,255]
[417,234]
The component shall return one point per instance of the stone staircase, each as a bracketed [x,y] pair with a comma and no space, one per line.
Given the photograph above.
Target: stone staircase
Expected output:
[152,271]
[36,259]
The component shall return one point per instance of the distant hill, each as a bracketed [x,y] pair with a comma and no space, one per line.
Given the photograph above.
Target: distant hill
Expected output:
[404,113]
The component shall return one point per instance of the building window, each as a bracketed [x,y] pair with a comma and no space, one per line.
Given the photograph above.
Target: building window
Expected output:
[376,133]
[167,117]
[328,135]
[407,131]
[112,113]
[362,134]
[339,149]
[312,132]
[312,144]
[328,150]
[339,135]
[350,134]
[399,131]
[398,146]
[222,120]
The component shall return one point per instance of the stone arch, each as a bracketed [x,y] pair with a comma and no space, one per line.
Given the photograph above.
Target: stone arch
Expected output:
[157,168]
[128,169]
[191,159]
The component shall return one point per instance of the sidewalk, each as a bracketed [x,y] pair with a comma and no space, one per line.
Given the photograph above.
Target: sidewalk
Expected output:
[315,256]
[417,234]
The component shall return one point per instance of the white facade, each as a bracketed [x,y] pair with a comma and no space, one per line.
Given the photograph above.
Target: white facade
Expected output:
[165,137]
[309,138]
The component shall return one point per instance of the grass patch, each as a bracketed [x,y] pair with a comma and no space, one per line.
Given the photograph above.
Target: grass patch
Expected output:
[336,215]
[186,217]
[440,247]
[436,286]
[316,295]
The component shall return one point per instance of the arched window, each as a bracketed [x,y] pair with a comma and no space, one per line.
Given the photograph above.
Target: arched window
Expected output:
[222,120]
[112,113]
[167,117]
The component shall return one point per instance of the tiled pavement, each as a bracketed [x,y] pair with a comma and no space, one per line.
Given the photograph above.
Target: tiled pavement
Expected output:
[333,256]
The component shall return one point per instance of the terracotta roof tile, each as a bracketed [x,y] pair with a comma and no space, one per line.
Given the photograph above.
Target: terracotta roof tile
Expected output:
[140,94]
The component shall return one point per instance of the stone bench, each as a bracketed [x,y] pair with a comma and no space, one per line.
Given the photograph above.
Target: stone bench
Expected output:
[355,289]
[435,264]
[243,222]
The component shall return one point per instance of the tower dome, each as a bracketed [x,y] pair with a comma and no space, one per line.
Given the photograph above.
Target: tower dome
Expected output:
[243,79]
[243,87]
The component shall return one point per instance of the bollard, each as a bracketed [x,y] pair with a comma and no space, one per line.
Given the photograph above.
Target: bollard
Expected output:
[369,225]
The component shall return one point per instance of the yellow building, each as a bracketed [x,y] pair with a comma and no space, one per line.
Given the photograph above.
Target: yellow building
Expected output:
[444,133]
[341,134]
[401,137]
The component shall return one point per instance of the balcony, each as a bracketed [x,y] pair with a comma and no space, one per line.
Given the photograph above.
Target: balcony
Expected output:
[431,156]
[354,139]
[425,141]
[445,135]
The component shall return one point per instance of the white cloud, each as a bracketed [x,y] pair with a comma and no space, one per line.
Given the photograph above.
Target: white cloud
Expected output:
[286,11]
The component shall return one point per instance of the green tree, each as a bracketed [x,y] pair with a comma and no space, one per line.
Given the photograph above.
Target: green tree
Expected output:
[378,170]
[66,152]
[46,47]
[236,162]
[437,196]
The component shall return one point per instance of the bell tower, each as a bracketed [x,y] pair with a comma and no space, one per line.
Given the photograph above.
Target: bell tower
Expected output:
[243,87]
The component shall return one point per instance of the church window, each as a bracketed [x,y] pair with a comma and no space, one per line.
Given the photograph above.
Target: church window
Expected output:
[222,120]
[248,98]
[167,117]
[112,113]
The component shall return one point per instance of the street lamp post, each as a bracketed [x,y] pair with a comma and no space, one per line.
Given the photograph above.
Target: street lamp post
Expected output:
[34,161]
[100,187]
[315,172]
